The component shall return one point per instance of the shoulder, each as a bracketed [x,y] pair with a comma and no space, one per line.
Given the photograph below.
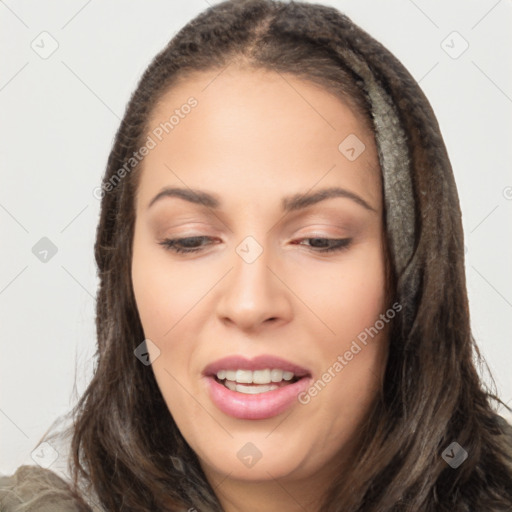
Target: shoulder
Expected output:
[33,488]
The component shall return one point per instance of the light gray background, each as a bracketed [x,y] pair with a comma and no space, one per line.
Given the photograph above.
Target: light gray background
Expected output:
[58,119]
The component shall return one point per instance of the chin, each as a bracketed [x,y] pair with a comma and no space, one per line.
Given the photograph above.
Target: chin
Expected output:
[274,463]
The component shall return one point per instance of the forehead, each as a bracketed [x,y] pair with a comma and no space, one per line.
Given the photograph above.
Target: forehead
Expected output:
[253,130]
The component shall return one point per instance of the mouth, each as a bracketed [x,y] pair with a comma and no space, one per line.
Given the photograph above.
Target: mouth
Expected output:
[255,382]
[255,389]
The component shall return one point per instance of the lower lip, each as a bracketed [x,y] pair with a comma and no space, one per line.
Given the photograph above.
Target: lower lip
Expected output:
[255,407]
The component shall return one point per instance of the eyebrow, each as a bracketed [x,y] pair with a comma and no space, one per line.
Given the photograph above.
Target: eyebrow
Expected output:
[291,203]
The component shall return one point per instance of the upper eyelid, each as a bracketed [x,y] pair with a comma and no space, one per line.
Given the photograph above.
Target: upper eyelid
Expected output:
[311,229]
[325,216]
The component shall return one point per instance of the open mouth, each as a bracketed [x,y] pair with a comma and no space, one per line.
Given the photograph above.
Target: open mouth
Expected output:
[255,382]
[254,389]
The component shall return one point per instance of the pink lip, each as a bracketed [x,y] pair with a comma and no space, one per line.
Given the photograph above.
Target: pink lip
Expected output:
[255,407]
[257,363]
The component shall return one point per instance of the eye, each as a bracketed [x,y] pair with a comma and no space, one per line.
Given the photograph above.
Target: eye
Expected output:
[176,244]
[333,244]
[190,244]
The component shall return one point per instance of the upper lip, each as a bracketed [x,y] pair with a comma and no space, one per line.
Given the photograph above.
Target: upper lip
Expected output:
[257,363]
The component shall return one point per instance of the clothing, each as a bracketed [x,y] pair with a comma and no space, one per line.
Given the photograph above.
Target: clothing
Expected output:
[33,488]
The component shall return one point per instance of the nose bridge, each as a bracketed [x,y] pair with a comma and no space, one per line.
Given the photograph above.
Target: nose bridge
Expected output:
[250,277]
[252,293]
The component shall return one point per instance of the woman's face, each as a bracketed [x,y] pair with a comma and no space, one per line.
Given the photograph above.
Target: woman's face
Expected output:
[258,300]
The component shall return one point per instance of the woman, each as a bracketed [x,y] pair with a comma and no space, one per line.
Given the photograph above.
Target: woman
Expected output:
[282,316]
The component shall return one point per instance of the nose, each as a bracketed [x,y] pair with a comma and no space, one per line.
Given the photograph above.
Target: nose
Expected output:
[254,294]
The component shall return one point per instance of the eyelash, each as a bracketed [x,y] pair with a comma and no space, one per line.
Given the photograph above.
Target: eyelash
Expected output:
[340,244]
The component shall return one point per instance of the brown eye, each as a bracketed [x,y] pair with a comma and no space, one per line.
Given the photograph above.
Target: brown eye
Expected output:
[328,244]
[184,245]
[193,244]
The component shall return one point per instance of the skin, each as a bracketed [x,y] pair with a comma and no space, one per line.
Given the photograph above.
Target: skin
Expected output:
[254,138]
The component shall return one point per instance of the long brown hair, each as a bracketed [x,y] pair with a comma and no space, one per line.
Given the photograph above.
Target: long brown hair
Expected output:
[125,443]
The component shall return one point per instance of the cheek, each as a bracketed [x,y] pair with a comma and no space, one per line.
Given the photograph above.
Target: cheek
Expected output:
[364,291]
[353,358]
[164,293]
[350,297]
[160,310]
[167,298]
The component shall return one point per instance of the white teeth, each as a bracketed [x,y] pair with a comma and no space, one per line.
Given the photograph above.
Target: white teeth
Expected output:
[266,376]
[249,390]
[261,377]
[230,375]
[254,390]
[230,385]
[276,375]
[244,376]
